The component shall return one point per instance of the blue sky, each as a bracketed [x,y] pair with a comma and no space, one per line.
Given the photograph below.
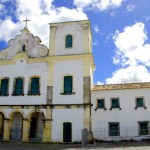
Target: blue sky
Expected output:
[120,31]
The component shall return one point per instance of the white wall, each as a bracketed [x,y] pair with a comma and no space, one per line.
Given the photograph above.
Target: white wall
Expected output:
[128,116]
[76,31]
[74,116]
[23,69]
[61,69]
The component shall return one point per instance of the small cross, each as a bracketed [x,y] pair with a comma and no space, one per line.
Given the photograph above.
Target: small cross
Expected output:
[26,22]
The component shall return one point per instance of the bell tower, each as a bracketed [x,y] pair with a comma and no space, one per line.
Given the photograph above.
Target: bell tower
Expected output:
[71,67]
[70,38]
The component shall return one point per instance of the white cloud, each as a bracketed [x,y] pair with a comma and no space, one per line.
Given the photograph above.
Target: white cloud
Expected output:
[96,28]
[131,74]
[130,7]
[99,83]
[98,4]
[109,37]
[40,15]
[147,18]
[95,43]
[133,54]
[9,29]
[131,46]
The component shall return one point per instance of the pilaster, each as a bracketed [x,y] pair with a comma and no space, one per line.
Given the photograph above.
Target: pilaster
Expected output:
[50,73]
[26,130]
[52,40]
[50,82]
[87,122]
[86,38]
[6,129]
[47,131]
[86,90]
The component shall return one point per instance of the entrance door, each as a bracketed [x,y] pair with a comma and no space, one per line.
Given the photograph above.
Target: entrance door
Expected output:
[33,127]
[16,127]
[67,132]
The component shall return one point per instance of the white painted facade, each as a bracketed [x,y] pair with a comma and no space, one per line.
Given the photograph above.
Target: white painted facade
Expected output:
[75,116]
[65,68]
[25,57]
[25,70]
[53,110]
[68,67]
[76,31]
[128,116]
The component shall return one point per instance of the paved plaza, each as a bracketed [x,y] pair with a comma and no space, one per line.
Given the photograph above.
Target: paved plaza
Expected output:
[102,146]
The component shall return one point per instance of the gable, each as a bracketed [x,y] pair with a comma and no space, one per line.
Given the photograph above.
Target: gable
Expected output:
[24,43]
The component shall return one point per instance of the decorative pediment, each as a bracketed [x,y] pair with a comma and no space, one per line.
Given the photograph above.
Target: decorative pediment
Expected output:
[26,42]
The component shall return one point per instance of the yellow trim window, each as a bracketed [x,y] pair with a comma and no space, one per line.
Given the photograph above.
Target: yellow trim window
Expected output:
[34,86]
[4,87]
[18,88]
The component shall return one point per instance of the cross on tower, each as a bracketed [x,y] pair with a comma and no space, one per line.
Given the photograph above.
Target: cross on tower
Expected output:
[26,22]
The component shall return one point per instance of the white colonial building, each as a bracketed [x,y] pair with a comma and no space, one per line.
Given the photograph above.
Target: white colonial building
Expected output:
[47,94]
[121,111]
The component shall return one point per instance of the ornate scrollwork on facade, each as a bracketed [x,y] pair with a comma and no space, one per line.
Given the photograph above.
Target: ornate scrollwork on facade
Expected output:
[43,52]
[3,55]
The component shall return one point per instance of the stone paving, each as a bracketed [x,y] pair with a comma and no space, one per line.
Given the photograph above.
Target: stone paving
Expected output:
[119,148]
[102,146]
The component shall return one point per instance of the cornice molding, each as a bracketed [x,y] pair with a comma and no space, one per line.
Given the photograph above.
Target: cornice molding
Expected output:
[22,55]
[86,58]
[121,86]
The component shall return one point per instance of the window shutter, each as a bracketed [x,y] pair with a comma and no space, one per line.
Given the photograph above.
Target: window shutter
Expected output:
[19,86]
[68,41]
[140,102]
[115,103]
[100,103]
[143,128]
[68,84]
[35,86]
[114,129]
[4,86]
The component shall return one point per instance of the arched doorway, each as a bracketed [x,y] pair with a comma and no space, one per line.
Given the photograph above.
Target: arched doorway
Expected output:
[1,125]
[67,132]
[16,126]
[36,126]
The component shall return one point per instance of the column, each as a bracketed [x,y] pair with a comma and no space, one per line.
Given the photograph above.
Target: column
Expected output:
[47,131]
[87,122]
[52,40]
[6,129]
[26,130]
[86,42]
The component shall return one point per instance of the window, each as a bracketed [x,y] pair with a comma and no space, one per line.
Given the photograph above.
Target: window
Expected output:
[68,41]
[139,102]
[143,128]
[115,103]
[18,89]
[4,87]
[114,129]
[67,84]
[101,104]
[34,86]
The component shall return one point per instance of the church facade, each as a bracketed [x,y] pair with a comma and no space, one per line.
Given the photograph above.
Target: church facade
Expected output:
[47,94]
